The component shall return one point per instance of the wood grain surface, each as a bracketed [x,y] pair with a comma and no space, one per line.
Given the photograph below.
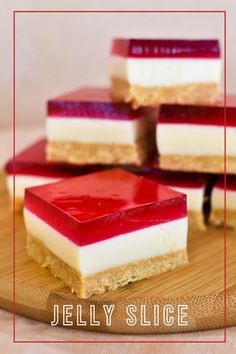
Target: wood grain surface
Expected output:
[199,285]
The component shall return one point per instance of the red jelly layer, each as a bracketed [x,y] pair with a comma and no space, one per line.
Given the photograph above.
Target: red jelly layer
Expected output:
[102,205]
[177,179]
[32,161]
[166,48]
[230,182]
[93,103]
[197,115]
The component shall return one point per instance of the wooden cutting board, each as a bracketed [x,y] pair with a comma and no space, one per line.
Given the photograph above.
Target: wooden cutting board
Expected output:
[199,285]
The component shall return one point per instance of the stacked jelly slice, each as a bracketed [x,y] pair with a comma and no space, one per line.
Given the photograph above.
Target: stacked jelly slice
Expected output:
[201,139]
[87,126]
[106,229]
[155,71]
[31,168]
[191,138]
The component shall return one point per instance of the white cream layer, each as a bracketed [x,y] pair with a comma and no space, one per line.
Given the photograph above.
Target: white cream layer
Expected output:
[149,242]
[91,130]
[25,181]
[195,140]
[217,199]
[195,197]
[165,71]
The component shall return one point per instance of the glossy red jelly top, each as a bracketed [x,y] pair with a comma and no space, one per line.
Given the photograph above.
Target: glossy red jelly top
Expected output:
[197,115]
[93,103]
[102,205]
[166,48]
[230,182]
[175,179]
[32,161]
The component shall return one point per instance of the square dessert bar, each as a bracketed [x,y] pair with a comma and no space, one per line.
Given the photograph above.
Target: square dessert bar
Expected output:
[194,185]
[217,201]
[32,169]
[106,229]
[191,138]
[155,71]
[87,126]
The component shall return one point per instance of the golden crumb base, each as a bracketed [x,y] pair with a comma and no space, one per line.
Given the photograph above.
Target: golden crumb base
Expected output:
[203,93]
[217,218]
[110,279]
[86,153]
[196,220]
[211,164]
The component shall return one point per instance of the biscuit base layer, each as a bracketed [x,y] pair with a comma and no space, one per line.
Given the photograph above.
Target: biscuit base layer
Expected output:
[196,220]
[110,279]
[217,218]
[82,153]
[204,93]
[211,164]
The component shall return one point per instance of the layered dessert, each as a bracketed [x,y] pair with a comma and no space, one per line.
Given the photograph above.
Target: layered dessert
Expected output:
[106,229]
[191,138]
[87,126]
[149,72]
[31,168]
[194,185]
[217,201]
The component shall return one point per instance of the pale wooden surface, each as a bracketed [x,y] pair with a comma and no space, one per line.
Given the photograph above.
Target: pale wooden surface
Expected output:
[198,284]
